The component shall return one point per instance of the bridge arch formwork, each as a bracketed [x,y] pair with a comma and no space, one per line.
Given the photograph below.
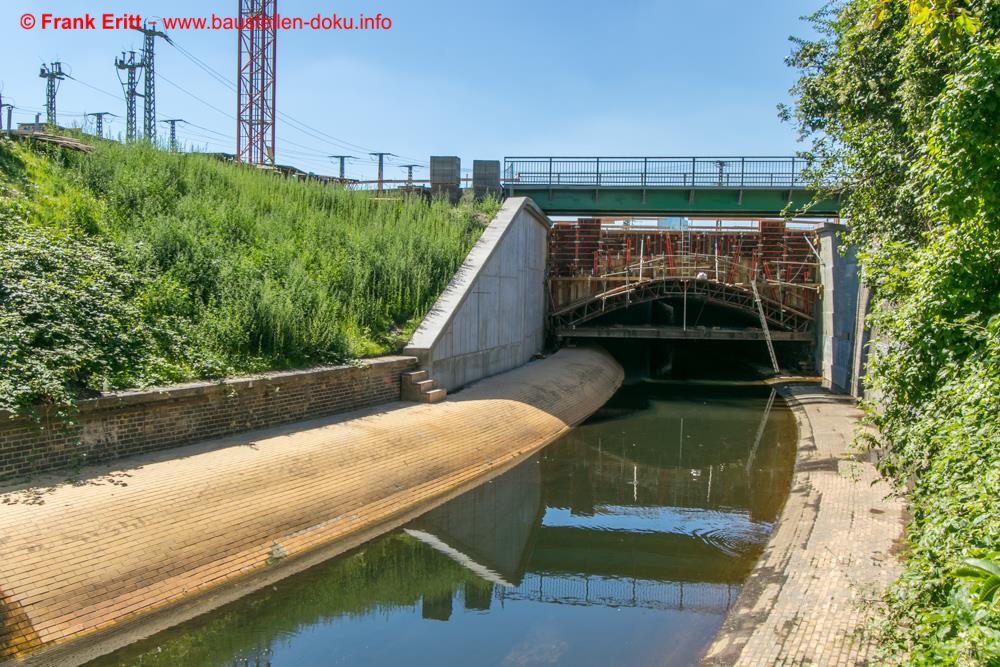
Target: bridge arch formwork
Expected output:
[758,268]
[737,298]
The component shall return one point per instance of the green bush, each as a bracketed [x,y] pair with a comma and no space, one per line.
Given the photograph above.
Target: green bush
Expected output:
[131,266]
[902,98]
[67,319]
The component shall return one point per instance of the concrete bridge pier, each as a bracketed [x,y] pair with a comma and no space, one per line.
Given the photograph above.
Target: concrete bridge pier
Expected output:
[841,335]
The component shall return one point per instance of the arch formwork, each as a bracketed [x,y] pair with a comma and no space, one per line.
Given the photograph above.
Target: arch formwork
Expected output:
[760,268]
[733,297]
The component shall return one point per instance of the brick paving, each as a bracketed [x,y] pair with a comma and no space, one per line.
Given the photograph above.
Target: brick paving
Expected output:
[79,558]
[818,581]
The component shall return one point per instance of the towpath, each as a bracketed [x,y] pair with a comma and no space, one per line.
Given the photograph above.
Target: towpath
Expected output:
[820,578]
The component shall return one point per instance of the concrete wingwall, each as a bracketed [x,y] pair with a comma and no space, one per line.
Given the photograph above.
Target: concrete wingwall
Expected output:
[491,317]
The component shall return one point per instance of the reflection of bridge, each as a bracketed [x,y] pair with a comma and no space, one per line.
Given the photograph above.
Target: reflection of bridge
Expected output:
[741,186]
[622,592]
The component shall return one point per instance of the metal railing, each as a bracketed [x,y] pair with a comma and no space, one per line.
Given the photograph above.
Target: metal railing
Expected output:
[656,172]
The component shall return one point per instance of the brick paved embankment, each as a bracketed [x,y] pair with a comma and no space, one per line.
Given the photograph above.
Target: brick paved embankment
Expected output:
[818,581]
[135,422]
[131,550]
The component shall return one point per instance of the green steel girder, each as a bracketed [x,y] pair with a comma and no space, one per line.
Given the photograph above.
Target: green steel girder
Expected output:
[663,201]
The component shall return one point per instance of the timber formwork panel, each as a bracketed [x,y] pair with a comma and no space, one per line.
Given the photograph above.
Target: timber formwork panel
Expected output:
[629,264]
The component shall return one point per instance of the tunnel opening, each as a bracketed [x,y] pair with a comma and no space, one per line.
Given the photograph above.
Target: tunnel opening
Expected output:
[703,360]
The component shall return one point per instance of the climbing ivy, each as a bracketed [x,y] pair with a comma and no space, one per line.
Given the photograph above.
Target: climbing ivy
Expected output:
[901,100]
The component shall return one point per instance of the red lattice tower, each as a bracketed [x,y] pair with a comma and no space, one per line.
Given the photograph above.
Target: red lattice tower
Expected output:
[255,82]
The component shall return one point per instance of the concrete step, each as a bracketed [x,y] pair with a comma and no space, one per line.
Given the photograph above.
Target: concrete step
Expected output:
[434,396]
[411,391]
[414,376]
[425,385]
[417,386]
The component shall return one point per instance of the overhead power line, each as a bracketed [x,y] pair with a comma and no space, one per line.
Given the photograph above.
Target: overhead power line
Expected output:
[92,87]
[295,123]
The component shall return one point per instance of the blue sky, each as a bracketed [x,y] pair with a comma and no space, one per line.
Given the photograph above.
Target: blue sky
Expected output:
[474,79]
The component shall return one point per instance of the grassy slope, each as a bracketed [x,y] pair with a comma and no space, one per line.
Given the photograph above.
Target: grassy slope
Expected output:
[133,266]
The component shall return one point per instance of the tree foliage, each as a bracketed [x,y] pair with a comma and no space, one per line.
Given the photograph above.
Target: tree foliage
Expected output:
[901,101]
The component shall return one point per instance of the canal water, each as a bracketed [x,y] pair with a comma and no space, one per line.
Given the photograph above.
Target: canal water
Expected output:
[623,543]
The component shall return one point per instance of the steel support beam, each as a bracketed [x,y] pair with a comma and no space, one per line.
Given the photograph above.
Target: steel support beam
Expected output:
[668,201]
[680,333]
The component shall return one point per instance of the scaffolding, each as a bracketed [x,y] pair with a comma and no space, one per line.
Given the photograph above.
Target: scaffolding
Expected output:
[760,266]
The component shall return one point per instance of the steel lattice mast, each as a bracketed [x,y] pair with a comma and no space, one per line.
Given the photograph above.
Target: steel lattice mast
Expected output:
[52,75]
[172,122]
[149,81]
[255,82]
[99,117]
[129,86]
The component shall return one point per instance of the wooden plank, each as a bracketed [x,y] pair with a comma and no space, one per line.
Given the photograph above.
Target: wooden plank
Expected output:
[679,333]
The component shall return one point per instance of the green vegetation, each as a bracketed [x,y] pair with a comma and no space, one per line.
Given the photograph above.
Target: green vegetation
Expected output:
[902,100]
[132,266]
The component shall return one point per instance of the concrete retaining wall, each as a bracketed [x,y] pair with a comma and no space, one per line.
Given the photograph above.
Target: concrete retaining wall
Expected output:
[837,324]
[127,423]
[491,318]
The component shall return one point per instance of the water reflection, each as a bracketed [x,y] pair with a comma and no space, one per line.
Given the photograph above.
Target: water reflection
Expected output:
[624,542]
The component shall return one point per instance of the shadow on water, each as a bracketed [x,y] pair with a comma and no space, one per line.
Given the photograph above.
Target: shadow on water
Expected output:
[625,542]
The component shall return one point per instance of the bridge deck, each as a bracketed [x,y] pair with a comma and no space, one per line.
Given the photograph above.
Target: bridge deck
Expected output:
[664,186]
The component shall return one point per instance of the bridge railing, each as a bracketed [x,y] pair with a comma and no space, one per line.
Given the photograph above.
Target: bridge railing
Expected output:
[656,172]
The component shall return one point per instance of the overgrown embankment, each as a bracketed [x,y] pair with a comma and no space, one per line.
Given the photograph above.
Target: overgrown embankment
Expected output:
[902,99]
[132,266]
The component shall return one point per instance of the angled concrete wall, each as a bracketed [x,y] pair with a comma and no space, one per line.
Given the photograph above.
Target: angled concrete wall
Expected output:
[491,317]
[838,327]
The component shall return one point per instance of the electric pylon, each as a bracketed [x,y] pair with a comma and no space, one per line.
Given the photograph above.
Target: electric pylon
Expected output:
[380,156]
[9,108]
[149,80]
[172,122]
[99,120]
[129,87]
[409,172]
[52,74]
[342,158]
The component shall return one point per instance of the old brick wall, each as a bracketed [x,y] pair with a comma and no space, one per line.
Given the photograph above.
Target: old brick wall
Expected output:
[127,423]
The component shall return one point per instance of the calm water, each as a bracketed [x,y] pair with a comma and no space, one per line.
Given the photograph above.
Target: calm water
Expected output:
[623,543]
